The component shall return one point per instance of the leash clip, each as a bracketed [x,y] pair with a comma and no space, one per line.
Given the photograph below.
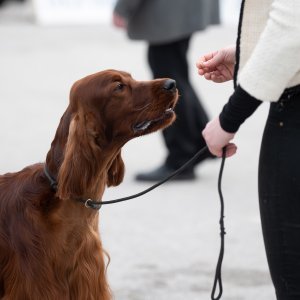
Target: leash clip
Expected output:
[89,203]
[86,203]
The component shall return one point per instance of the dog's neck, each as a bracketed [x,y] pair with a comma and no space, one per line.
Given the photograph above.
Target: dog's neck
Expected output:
[97,169]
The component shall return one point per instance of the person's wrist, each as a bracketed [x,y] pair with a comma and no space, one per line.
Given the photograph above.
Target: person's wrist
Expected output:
[227,125]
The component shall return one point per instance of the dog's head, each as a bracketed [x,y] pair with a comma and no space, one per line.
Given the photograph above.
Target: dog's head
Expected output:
[107,109]
[121,108]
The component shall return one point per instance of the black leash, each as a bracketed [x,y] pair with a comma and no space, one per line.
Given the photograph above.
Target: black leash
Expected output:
[89,203]
[97,205]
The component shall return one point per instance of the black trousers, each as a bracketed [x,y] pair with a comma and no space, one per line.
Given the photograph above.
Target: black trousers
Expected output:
[184,137]
[279,195]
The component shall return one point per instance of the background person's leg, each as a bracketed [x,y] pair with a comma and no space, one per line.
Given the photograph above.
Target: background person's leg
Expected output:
[183,139]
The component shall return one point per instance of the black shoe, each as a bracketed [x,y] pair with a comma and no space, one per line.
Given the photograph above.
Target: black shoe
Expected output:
[162,172]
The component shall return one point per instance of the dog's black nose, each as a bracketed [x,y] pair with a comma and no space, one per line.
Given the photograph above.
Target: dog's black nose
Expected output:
[169,85]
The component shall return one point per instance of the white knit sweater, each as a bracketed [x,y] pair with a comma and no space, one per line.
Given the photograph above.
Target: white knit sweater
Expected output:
[269,48]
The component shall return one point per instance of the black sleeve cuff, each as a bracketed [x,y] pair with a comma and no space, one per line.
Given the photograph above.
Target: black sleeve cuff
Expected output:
[240,106]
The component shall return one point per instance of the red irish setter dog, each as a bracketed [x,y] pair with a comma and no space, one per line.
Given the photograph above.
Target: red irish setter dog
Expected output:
[50,247]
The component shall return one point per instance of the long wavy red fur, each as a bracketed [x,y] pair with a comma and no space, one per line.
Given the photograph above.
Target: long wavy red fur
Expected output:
[50,247]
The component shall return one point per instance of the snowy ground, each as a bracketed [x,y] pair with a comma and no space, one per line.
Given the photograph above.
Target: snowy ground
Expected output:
[165,245]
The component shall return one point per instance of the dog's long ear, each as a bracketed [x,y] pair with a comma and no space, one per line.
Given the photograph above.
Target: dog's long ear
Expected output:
[80,172]
[116,171]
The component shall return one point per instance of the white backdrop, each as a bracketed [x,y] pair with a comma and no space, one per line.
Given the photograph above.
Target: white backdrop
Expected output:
[61,12]
[49,12]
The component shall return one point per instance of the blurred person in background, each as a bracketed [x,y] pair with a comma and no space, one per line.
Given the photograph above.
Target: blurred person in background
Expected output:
[4,1]
[167,26]
[267,68]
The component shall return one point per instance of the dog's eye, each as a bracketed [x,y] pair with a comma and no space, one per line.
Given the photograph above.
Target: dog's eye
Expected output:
[119,87]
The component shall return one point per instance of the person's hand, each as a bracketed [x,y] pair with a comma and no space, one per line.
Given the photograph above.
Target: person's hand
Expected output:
[119,21]
[216,138]
[217,66]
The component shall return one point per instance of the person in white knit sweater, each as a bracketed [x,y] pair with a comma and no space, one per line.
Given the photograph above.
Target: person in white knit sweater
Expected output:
[265,66]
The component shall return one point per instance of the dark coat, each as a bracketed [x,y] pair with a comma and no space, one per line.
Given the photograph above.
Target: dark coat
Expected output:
[163,21]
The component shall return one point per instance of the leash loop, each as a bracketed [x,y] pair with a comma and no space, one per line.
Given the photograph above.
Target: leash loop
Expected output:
[218,273]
